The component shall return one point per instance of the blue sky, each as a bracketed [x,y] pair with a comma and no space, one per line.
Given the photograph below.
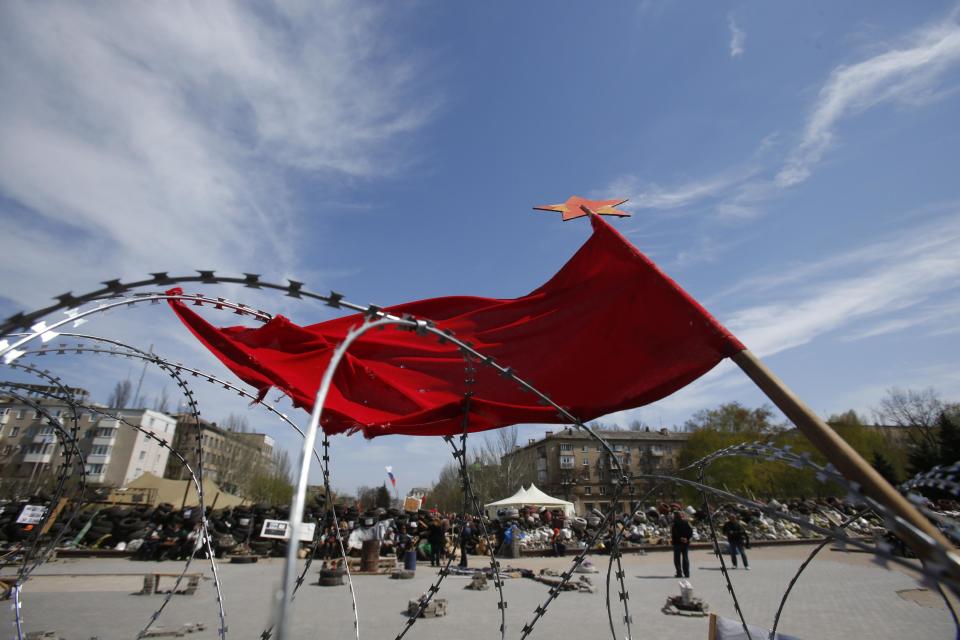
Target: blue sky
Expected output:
[793,167]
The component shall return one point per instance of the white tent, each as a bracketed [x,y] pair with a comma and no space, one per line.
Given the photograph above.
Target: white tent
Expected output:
[532,497]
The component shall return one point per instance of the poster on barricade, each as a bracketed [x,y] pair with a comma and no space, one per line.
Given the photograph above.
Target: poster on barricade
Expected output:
[31,514]
[280,529]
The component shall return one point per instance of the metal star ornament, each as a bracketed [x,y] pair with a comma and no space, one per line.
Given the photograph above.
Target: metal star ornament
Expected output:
[574,208]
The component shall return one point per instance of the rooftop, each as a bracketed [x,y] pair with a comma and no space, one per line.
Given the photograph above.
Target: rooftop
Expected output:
[611,435]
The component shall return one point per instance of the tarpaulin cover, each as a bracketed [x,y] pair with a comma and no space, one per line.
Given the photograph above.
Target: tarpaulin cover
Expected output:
[608,332]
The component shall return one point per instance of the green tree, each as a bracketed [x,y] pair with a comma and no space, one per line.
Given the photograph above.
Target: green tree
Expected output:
[382,499]
[733,417]
[948,426]
[272,484]
[885,468]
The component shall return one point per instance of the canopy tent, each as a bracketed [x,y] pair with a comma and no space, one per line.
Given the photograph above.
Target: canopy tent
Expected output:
[532,497]
[172,491]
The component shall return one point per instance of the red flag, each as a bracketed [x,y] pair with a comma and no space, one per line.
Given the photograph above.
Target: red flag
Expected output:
[608,332]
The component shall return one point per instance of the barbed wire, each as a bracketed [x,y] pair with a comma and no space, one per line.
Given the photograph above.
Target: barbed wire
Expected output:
[167,366]
[938,566]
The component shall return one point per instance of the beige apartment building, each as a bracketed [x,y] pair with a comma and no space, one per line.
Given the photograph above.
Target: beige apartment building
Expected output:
[571,465]
[114,452]
[229,457]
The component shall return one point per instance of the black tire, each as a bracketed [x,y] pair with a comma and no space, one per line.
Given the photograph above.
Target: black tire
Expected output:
[243,559]
[130,523]
[331,582]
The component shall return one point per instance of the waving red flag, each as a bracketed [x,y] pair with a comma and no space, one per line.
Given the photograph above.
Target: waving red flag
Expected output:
[608,332]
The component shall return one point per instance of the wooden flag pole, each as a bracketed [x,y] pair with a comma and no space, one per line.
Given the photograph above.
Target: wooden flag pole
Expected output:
[837,451]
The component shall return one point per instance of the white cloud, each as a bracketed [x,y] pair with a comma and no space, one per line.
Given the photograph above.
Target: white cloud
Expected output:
[737,38]
[901,74]
[886,278]
[652,196]
[157,136]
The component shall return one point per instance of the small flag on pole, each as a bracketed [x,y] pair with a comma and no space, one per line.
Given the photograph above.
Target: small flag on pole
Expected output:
[393,479]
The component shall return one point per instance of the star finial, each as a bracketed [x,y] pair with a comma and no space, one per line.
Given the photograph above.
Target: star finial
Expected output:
[572,208]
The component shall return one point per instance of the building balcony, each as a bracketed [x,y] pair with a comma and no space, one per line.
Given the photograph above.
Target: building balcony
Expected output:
[96,478]
[104,440]
[98,459]
[46,438]
[38,458]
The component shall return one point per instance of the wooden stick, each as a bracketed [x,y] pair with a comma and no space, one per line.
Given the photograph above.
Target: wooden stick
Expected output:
[840,454]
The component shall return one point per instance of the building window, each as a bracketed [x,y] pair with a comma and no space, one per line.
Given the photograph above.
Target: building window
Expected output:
[95,469]
[566,462]
[143,454]
[88,433]
[45,431]
[585,462]
[14,432]
[100,450]
[20,413]
[566,446]
[589,506]
[36,414]
[603,491]
[105,432]
[588,491]
[585,448]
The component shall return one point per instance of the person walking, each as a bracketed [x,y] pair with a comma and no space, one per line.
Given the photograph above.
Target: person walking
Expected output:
[680,534]
[737,539]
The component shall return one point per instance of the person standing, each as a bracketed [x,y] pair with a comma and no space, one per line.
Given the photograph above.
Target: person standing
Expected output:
[466,533]
[680,534]
[436,539]
[737,539]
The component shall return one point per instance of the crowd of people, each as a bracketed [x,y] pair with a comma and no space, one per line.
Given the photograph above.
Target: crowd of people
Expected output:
[164,532]
[435,536]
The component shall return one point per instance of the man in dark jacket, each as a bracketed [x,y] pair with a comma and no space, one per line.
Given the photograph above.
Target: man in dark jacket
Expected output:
[436,538]
[466,539]
[737,539]
[680,534]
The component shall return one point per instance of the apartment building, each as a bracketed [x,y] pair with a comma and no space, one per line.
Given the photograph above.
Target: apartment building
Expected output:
[114,451]
[572,465]
[230,458]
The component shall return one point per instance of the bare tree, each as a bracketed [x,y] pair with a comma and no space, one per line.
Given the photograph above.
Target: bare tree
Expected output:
[236,423]
[120,398]
[916,411]
[242,463]
[272,485]
[162,402]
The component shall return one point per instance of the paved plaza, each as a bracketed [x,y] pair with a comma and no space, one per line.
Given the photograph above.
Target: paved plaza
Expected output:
[841,595]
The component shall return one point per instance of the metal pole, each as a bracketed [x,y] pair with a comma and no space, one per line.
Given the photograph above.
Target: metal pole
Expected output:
[837,451]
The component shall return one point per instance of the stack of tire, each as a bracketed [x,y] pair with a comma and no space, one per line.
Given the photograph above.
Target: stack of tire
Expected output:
[331,577]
